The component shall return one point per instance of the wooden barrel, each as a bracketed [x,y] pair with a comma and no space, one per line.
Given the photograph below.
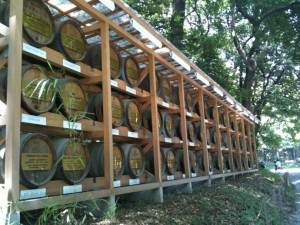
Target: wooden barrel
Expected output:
[145,83]
[198,131]
[133,115]
[235,162]
[165,90]
[38,94]
[134,160]
[226,162]
[74,160]
[147,120]
[38,23]
[241,143]
[94,59]
[149,158]
[96,150]
[171,160]
[215,160]
[224,142]
[168,126]
[208,111]
[233,142]
[130,71]
[231,123]
[70,40]
[117,108]
[71,100]
[193,162]
[213,135]
[175,95]
[189,102]
[200,159]
[222,119]
[37,160]
[190,128]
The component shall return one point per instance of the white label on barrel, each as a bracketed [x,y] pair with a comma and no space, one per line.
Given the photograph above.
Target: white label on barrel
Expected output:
[189,114]
[180,141]
[211,173]
[170,177]
[117,183]
[71,66]
[206,120]
[183,176]
[134,181]
[34,51]
[72,125]
[166,104]
[130,90]
[208,146]
[194,175]
[34,193]
[191,144]
[169,140]
[114,83]
[115,132]
[72,189]
[133,134]
[39,120]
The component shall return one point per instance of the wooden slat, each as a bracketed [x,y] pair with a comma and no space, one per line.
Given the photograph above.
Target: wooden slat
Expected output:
[229,143]
[107,110]
[13,102]
[154,117]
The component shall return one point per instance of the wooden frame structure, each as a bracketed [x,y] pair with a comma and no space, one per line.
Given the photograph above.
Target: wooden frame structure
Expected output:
[114,26]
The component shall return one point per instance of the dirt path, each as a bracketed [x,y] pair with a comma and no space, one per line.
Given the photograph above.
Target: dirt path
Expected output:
[295,179]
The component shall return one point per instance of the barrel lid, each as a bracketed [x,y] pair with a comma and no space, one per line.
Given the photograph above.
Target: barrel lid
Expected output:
[131,71]
[136,160]
[117,110]
[37,90]
[118,161]
[169,124]
[134,115]
[171,161]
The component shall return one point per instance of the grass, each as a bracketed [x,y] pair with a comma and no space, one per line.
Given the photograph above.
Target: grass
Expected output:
[232,203]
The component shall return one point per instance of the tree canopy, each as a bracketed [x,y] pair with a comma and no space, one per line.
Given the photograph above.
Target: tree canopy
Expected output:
[249,47]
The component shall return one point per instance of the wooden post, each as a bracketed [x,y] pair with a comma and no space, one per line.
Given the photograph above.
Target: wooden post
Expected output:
[244,145]
[107,111]
[203,132]
[183,128]
[12,155]
[236,136]
[255,156]
[227,124]
[250,143]
[218,136]
[154,116]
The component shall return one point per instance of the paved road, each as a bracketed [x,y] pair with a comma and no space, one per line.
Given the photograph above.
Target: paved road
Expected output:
[295,179]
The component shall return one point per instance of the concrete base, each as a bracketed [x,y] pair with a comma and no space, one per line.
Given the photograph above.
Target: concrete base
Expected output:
[181,188]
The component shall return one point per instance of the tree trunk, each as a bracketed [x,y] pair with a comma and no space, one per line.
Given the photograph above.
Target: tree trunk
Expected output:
[177,22]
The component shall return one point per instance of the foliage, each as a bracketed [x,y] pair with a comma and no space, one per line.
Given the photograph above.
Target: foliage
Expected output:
[249,47]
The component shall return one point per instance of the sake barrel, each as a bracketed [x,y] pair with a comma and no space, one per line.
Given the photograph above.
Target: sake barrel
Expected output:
[200,159]
[224,140]
[175,95]
[165,90]
[74,160]
[168,126]
[190,128]
[94,59]
[70,40]
[208,111]
[130,71]
[38,23]
[97,151]
[198,130]
[38,94]
[147,120]
[213,135]
[215,160]
[117,108]
[235,161]
[134,160]
[193,162]
[233,142]
[171,160]
[222,118]
[133,115]
[241,143]
[71,100]
[145,83]
[150,162]
[226,162]
[189,102]
[37,160]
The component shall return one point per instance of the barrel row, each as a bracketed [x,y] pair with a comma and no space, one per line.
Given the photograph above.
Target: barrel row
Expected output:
[43,158]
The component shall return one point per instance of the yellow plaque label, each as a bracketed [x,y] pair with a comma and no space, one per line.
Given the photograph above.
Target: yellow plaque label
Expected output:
[72,43]
[36,161]
[37,24]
